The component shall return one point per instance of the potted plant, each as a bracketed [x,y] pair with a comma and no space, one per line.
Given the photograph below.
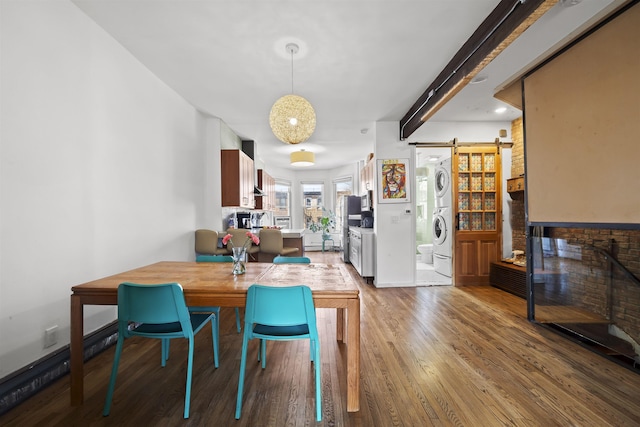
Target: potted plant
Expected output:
[325,224]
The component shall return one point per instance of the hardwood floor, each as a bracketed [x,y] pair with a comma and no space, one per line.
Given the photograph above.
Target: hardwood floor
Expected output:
[431,356]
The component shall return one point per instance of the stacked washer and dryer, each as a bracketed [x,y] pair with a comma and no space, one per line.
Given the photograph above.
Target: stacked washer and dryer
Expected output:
[443,219]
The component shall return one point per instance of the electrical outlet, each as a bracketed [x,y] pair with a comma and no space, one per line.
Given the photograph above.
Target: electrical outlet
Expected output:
[51,336]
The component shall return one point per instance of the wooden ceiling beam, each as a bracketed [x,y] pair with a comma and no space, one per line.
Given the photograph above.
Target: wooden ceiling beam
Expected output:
[503,25]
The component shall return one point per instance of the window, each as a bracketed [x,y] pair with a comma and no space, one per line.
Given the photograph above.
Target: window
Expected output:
[283,199]
[312,201]
[342,187]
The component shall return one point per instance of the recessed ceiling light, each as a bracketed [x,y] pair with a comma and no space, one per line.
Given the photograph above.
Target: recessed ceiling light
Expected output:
[569,3]
[478,79]
[500,110]
[364,131]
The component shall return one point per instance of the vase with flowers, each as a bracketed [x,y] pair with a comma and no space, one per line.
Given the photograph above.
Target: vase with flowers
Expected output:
[239,254]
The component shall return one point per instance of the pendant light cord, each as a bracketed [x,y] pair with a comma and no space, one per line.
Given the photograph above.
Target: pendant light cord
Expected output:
[292,48]
[291,70]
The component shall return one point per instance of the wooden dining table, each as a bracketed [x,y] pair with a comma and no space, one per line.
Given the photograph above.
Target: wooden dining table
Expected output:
[213,284]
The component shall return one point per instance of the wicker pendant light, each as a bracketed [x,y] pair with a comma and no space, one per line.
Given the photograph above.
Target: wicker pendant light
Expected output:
[292,118]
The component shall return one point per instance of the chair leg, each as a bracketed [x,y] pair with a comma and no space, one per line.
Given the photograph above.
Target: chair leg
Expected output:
[243,365]
[238,325]
[263,351]
[187,396]
[114,373]
[316,365]
[165,351]
[215,335]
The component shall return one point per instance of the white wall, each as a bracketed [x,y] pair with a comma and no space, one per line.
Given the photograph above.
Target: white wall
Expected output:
[507,231]
[464,131]
[97,171]
[394,227]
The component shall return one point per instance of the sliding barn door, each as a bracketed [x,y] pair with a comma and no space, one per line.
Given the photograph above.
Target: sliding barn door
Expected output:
[478,214]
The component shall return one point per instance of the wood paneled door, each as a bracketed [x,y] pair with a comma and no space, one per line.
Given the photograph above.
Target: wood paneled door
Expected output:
[478,221]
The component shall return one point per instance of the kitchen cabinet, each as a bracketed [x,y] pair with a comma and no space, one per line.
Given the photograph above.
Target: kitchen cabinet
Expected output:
[268,186]
[237,179]
[361,250]
[367,175]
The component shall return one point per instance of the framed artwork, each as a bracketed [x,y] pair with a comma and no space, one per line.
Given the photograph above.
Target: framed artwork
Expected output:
[393,176]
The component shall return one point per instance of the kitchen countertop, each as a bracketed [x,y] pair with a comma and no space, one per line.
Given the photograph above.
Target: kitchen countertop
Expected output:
[292,233]
[287,233]
[361,229]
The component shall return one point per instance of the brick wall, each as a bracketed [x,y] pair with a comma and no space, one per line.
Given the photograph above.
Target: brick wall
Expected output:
[517,151]
[518,227]
[590,284]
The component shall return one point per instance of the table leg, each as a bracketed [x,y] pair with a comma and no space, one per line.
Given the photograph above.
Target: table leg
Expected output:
[76,351]
[353,355]
[340,325]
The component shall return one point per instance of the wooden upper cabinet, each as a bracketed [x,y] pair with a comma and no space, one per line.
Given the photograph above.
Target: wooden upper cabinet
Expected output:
[268,186]
[237,179]
[367,174]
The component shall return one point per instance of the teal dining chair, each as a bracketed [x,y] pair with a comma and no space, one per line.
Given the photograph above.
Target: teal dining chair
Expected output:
[280,314]
[160,312]
[291,260]
[214,258]
[217,258]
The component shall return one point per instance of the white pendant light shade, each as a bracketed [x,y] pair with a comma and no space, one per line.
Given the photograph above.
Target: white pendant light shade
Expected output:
[302,158]
[292,119]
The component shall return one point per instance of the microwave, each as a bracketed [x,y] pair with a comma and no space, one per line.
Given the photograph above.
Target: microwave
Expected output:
[365,201]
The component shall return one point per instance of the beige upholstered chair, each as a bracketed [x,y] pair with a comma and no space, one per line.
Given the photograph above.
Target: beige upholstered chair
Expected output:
[207,243]
[271,242]
[240,237]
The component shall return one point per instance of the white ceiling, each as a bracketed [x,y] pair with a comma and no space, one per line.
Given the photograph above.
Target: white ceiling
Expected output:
[360,61]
